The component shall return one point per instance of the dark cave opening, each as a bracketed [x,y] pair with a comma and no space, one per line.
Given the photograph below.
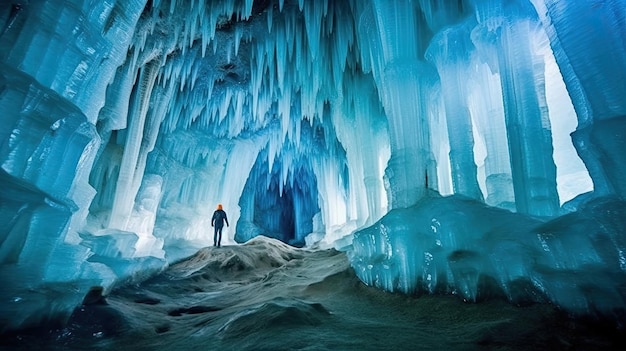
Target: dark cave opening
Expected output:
[281,211]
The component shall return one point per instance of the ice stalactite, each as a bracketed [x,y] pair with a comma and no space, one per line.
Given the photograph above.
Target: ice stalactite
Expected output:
[135,147]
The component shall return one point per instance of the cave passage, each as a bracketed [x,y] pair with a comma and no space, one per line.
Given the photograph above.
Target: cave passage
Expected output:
[282,212]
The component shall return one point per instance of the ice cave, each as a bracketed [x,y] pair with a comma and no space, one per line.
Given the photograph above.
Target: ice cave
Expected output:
[466,152]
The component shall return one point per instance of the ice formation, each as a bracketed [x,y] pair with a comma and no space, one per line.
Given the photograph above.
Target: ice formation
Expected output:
[445,245]
[125,122]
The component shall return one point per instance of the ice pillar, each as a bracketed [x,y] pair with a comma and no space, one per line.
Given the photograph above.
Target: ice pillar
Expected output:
[488,114]
[370,126]
[136,147]
[360,124]
[588,39]
[403,80]
[526,111]
[449,51]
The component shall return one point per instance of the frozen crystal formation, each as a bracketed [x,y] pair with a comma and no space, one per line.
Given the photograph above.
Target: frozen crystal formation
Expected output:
[125,122]
[461,246]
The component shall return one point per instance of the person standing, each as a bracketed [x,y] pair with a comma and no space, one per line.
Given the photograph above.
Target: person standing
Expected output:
[217,222]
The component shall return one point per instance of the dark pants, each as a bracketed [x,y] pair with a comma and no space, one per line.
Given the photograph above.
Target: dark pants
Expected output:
[217,237]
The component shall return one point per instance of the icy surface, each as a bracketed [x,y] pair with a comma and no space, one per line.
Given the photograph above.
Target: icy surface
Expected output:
[124,123]
[460,246]
[267,295]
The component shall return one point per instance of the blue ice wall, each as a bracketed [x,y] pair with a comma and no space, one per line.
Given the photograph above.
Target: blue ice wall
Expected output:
[125,122]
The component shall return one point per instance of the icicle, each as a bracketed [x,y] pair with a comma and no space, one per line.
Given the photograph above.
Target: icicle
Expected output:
[248,9]
[237,38]
[205,36]
[192,28]
[194,76]
[284,106]
[172,6]
[228,93]
[269,15]
[229,50]
[202,11]
[298,125]
[314,15]
[281,58]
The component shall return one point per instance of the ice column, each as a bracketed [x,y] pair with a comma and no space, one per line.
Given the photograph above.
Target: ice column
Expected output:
[373,145]
[487,109]
[144,216]
[488,113]
[360,124]
[392,30]
[331,197]
[136,147]
[526,111]
[588,39]
[449,51]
